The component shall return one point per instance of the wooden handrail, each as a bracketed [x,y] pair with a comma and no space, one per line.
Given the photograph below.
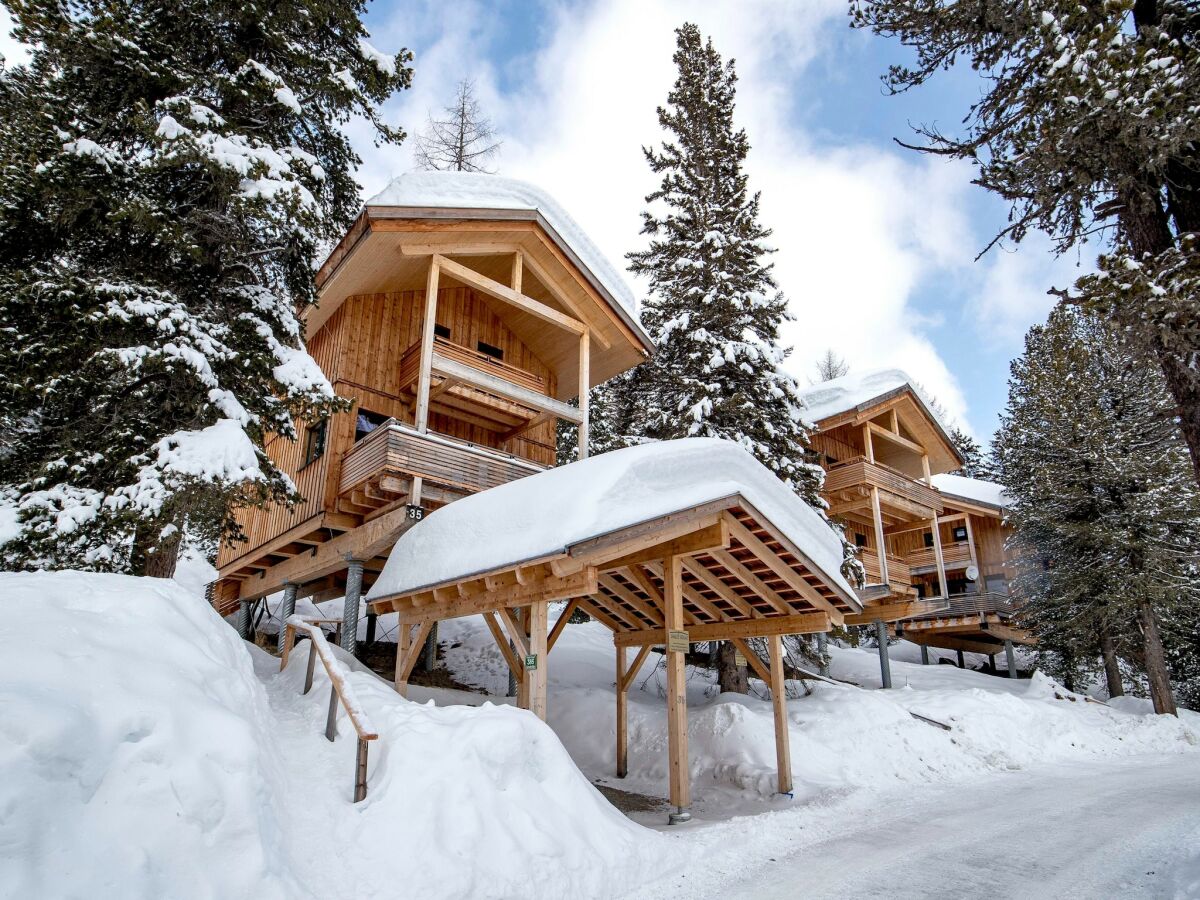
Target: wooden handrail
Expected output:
[340,690]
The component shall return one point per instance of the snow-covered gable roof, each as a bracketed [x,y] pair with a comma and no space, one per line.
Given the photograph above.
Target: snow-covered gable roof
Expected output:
[860,391]
[474,191]
[545,514]
[974,490]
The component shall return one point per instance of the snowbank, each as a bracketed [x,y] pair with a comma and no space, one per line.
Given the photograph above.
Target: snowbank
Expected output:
[973,489]
[135,754]
[474,190]
[544,514]
[145,751]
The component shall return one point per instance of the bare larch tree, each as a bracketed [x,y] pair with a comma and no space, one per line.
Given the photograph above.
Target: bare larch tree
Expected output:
[463,140]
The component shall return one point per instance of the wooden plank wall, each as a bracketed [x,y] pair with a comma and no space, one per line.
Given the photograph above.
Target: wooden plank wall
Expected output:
[359,349]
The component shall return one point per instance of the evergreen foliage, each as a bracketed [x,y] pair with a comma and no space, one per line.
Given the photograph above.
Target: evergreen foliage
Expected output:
[1106,514]
[167,175]
[974,464]
[1087,126]
[462,141]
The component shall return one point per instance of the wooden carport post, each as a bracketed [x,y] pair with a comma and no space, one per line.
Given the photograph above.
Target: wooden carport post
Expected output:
[783,752]
[535,675]
[625,675]
[677,737]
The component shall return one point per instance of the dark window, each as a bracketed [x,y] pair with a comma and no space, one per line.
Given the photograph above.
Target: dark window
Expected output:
[366,422]
[929,539]
[960,532]
[314,441]
[442,331]
[493,352]
[860,539]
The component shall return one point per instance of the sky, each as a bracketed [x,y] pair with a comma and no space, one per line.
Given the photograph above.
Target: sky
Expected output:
[876,244]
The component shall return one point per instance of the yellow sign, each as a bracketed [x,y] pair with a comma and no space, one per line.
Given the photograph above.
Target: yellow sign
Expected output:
[738,658]
[677,641]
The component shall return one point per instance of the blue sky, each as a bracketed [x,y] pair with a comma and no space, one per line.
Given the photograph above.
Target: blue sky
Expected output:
[876,244]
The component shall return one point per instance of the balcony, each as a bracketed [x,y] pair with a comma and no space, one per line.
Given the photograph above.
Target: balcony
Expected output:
[379,469]
[955,555]
[974,604]
[485,391]
[898,571]
[848,484]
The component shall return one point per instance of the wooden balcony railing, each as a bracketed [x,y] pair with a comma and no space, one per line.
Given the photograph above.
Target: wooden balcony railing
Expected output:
[956,555]
[860,472]
[972,604]
[898,571]
[399,450]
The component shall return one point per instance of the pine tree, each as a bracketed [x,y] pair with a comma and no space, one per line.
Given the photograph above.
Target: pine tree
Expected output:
[713,308]
[1106,515]
[972,454]
[167,174]
[462,141]
[1087,126]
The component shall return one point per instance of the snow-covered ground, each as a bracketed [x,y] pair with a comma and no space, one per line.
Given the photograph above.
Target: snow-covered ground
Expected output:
[146,751]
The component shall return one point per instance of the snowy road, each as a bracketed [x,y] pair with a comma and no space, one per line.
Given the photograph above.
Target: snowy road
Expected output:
[1110,830]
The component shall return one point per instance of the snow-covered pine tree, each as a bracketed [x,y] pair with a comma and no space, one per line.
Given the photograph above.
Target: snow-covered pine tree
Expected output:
[713,308]
[972,454]
[463,140]
[167,173]
[1086,124]
[1106,514]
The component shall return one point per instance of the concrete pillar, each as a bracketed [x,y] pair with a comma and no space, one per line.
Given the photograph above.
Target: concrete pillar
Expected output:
[962,663]
[924,655]
[1012,659]
[354,573]
[243,619]
[885,664]
[823,649]
[286,609]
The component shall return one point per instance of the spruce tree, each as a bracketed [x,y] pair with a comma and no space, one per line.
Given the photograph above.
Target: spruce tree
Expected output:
[968,448]
[1106,515]
[1086,124]
[713,309]
[167,175]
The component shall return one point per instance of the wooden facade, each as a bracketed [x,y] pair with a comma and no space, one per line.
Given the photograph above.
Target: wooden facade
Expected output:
[461,339]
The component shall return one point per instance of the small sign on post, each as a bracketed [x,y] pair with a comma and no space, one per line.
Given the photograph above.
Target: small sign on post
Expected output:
[677,641]
[531,662]
[739,659]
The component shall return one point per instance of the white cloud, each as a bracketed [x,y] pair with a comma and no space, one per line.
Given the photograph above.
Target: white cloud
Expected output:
[14,52]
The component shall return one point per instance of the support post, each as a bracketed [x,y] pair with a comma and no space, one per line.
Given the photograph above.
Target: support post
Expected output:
[962,663]
[937,555]
[312,665]
[360,771]
[585,368]
[783,753]
[924,655]
[354,573]
[243,619]
[622,716]
[538,616]
[974,555]
[677,736]
[880,537]
[523,686]
[885,664]
[286,609]
[1011,658]
[403,643]
[372,620]
[823,649]
[331,719]
[425,370]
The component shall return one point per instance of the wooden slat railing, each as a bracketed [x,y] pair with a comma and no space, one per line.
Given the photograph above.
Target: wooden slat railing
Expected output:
[955,554]
[859,472]
[397,449]
[411,358]
[971,604]
[898,571]
[340,690]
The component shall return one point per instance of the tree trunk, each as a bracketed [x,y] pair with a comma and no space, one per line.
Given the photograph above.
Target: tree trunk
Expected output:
[153,556]
[731,677]
[1112,671]
[1155,662]
[1184,385]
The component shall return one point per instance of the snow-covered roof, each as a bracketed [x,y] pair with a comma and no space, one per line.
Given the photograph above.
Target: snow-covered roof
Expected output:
[477,191]
[860,390]
[974,490]
[545,514]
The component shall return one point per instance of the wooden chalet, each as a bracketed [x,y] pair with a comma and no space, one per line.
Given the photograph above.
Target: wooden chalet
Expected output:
[460,315]
[979,615]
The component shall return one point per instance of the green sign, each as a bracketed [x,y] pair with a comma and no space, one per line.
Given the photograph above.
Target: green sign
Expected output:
[531,661]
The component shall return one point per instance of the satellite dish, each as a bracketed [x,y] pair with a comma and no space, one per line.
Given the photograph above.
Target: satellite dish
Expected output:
[972,573]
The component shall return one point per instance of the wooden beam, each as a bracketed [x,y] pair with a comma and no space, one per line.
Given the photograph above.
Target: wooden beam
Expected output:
[518,272]
[563,618]
[493,288]
[891,612]
[880,537]
[783,751]
[541,587]
[752,659]
[406,662]
[516,631]
[938,558]
[639,575]
[677,736]
[647,609]
[632,671]
[585,383]
[561,297]
[536,677]
[514,664]
[895,438]
[703,540]
[720,588]
[790,576]
[425,372]
[622,715]
[797,623]
[646,534]
[740,571]
[601,615]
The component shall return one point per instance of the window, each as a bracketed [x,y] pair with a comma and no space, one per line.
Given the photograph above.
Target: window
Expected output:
[489,350]
[929,539]
[860,539]
[442,331]
[366,422]
[960,532]
[314,441]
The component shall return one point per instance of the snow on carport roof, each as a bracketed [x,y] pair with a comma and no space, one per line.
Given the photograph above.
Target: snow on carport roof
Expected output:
[478,191]
[545,514]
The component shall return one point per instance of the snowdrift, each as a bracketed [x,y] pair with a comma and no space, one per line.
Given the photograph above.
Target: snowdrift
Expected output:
[145,751]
